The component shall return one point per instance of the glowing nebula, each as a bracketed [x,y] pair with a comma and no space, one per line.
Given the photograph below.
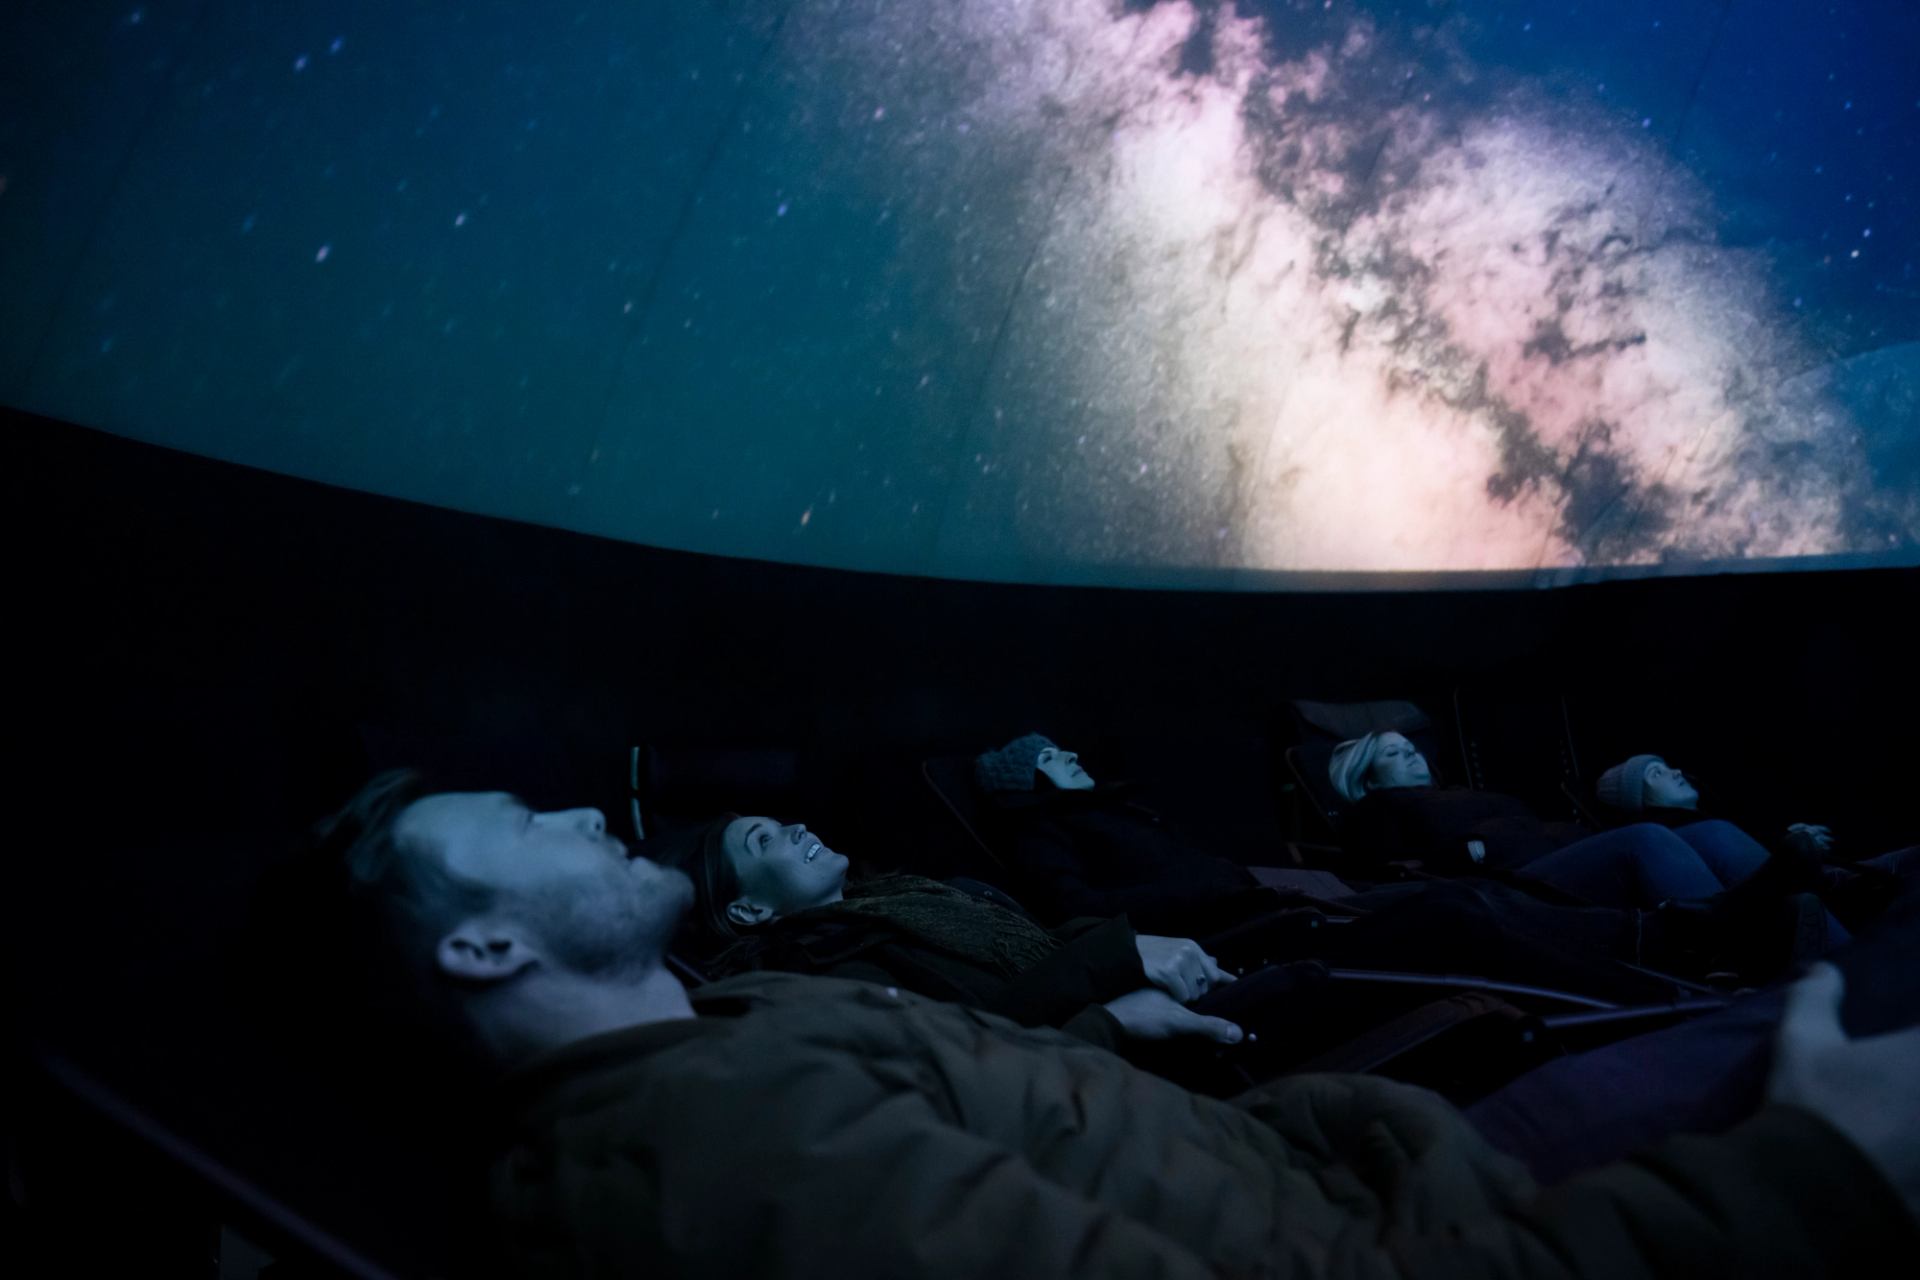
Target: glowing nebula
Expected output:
[1332,299]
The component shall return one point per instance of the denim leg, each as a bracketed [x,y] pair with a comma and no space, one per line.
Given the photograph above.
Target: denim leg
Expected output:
[1901,862]
[1637,866]
[1733,856]
[1730,853]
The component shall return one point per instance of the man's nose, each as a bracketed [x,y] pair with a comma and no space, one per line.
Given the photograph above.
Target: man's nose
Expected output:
[591,821]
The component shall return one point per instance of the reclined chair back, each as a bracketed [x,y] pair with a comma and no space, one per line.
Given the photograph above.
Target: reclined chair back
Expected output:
[950,779]
[216,1188]
[1521,744]
[1307,763]
[675,786]
[139,1018]
[1322,726]
[1339,721]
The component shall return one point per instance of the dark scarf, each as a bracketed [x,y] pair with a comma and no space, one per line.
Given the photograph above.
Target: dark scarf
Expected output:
[936,915]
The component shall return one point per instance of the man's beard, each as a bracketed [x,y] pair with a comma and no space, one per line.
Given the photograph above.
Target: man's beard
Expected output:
[623,930]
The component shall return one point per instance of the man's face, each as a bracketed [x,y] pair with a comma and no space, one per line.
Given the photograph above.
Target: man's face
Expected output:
[1398,763]
[782,868]
[1062,768]
[584,904]
[1668,788]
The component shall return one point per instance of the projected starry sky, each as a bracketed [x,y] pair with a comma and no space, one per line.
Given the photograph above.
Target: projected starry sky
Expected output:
[1056,290]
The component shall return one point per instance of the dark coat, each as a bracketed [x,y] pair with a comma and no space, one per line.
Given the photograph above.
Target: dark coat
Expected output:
[804,1127]
[1097,961]
[1433,825]
[1101,853]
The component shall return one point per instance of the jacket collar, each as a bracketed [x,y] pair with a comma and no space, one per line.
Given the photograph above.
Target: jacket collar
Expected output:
[715,1006]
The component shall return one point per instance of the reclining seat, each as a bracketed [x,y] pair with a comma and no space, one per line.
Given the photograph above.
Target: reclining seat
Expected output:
[148,1071]
[1322,726]
[949,780]
[1520,741]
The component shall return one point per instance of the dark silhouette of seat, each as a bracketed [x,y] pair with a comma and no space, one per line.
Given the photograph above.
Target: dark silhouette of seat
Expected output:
[950,778]
[1519,742]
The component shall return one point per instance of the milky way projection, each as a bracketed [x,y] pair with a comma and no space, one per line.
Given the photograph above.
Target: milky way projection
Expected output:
[1130,292]
[1301,293]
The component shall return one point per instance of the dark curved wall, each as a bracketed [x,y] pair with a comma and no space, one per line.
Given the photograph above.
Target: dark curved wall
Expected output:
[224,649]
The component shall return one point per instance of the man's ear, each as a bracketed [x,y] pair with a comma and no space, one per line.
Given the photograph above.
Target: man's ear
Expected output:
[747,912]
[483,951]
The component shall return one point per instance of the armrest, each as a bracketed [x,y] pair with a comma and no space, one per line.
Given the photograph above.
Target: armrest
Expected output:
[1260,933]
[1623,1019]
[1308,853]
[1399,1036]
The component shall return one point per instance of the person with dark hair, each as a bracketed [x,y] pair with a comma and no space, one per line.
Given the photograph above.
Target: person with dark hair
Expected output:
[1083,848]
[780,898]
[367,918]
[778,1125]
[379,902]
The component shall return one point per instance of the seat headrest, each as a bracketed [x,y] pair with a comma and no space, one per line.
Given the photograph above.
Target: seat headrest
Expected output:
[1343,720]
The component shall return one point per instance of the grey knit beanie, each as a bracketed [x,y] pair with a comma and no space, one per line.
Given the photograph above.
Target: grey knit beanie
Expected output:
[1011,768]
[1624,787]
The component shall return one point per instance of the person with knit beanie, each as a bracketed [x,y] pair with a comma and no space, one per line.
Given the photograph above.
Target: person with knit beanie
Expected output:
[1026,760]
[1645,788]
[1624,787]
[778,899]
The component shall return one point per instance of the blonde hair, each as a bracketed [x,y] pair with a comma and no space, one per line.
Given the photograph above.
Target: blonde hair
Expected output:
[1352,761]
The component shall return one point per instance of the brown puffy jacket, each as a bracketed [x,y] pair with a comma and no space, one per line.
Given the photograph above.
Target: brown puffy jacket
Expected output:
[807,1126]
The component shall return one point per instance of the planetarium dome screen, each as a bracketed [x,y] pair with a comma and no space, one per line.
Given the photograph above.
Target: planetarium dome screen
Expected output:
[1139,292]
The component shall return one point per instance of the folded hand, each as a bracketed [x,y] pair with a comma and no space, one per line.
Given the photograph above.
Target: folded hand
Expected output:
[1179,967]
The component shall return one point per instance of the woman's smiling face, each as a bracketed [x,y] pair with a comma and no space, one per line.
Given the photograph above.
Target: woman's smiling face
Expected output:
[782,869]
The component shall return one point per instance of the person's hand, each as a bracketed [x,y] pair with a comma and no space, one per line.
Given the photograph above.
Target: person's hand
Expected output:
[1863,1088]
[1815,841]
[1179,967]
[1152,1014]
